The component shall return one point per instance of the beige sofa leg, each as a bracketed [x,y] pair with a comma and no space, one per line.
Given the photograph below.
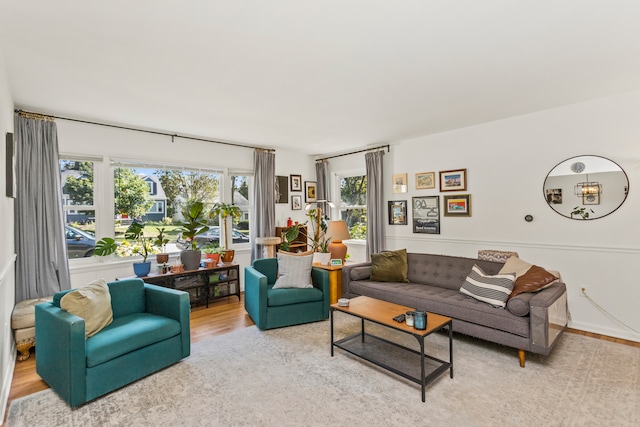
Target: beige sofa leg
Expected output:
[521,357]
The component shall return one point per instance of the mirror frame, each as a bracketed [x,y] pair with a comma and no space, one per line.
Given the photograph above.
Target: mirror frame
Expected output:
[581,158]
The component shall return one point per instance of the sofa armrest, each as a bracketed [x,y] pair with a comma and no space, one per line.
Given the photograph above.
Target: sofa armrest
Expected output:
[173,304]
[61,359]
[255,296]
[549,317]
[347,273]
[320,280]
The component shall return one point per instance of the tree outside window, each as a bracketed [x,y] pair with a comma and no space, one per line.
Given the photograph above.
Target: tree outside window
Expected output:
[353,205]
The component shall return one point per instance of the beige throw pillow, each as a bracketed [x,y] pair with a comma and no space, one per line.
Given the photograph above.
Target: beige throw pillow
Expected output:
[92,303]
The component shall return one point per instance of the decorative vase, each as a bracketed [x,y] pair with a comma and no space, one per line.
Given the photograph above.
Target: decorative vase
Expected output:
[191,259]
[162,258]
[323,258]
[141,269]
[228,255]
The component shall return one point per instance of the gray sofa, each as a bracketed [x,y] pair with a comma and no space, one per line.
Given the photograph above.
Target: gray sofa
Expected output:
[530,322]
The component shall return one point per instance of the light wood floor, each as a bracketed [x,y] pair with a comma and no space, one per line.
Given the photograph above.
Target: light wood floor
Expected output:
[221,317]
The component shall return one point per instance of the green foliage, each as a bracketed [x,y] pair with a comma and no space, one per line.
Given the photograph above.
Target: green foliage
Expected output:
[80,188]
[160,239]
[195,222]
[212,248]
[225,210]
[105,246]
[318,241]
[172,182]
[289,235]
[358,231]
[581,211]
[131,193]
[135,233]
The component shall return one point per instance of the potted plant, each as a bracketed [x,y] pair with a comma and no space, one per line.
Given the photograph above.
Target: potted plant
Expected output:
[161,242]
[212,251]
[193,225]
[135,244]
[322,255]
[289,236]
[225,210]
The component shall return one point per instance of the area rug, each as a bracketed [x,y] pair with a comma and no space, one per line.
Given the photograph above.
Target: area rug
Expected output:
[287,377]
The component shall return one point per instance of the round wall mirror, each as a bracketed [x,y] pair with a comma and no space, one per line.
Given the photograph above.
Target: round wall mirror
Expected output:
[586,187]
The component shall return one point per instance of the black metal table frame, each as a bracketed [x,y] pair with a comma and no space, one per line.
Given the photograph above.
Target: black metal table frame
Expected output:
[424,380]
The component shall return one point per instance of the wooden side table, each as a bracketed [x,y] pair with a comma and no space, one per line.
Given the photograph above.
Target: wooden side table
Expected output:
[335,280]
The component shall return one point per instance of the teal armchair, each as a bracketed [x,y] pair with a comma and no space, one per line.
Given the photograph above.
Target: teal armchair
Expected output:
[273,308]
[150,331]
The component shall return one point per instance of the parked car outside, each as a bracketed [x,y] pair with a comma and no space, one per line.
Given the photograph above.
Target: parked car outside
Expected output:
[80,243]
[213,236]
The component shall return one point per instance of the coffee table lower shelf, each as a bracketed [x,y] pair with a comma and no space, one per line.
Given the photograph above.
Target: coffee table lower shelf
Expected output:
[418,367]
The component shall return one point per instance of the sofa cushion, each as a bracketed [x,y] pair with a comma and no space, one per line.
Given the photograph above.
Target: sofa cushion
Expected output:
[519,305]
[294,271]
[445,271]
[129,333]
[360,273]
[278,297]
[535,279]
[91,302]
[493,290]
[389,266]
[497,256]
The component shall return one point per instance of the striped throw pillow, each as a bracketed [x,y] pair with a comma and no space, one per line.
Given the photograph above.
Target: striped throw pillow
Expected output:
[494,290]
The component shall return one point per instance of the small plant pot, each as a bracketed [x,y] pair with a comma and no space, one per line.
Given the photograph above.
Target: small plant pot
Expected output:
[228,255]
[323,258]
[142,269]
[190,259]
[162,258]
[215,258]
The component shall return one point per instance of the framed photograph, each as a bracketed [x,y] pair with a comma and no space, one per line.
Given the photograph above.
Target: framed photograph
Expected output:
[426,214]
[458,205]
[10,166]
[400,183]
[453,180]
[554,196]
[282,189]
[425,180]
[296,182]
[296,203]
[310,191]
[591,199]
[398,212]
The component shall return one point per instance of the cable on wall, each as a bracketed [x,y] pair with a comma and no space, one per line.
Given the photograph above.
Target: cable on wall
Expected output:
[584,292]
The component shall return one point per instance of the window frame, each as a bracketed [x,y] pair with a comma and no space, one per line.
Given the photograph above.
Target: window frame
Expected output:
[342,206]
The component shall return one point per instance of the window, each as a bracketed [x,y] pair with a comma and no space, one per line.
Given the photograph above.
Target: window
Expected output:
[156,196]
[240,197]
[77,180]
[353,204]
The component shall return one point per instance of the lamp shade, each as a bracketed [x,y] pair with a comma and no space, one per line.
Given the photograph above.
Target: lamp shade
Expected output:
[337,231]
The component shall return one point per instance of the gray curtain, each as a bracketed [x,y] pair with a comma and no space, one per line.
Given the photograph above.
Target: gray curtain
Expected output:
[375,203]
[263,215]
[322,184]
[42,267]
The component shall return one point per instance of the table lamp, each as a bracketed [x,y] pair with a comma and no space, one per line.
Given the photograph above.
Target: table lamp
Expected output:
[337,231]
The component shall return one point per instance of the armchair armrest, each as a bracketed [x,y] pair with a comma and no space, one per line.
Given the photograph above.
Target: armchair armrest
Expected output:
[61,359]
[173,304]
[320,280]
[255,295]
[360,269]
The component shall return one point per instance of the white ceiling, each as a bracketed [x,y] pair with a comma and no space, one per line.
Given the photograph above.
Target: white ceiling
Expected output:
[316,76]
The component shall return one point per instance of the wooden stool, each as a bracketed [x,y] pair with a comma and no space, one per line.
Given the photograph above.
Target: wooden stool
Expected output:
[23,323]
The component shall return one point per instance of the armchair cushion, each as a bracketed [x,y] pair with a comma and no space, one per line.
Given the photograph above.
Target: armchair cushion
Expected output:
[294,271]
[92,303]
[276,297]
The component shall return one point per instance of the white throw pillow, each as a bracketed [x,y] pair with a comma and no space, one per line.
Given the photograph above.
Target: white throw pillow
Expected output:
[294,271]
[92,303]
[494,290]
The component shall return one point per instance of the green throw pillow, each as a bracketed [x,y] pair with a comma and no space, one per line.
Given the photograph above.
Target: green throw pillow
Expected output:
[389,266]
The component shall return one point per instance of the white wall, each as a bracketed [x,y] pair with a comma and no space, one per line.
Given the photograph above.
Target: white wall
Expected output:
[107,142]
[507,162]
[7,249]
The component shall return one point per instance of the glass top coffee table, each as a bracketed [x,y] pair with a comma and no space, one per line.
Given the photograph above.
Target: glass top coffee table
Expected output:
[389,355]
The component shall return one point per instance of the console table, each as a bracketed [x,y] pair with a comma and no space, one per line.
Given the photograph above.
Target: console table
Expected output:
[203,285]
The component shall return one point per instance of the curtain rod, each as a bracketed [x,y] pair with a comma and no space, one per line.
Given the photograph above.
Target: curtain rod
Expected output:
[356,152]
[30,114]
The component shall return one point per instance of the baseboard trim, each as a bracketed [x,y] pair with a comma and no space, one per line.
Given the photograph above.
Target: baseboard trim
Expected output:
[604,337]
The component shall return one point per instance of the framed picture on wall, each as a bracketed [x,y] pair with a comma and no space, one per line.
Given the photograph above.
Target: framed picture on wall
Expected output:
[425,180]
[453,180]
[426,214]
[400,183]
[296,203]
[458,205]
[10,166]
[282,189]
[310,193]
[591,199]
[296,182]
[398,212]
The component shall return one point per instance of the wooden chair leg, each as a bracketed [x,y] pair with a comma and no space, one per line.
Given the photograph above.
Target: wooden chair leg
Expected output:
[521,357]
